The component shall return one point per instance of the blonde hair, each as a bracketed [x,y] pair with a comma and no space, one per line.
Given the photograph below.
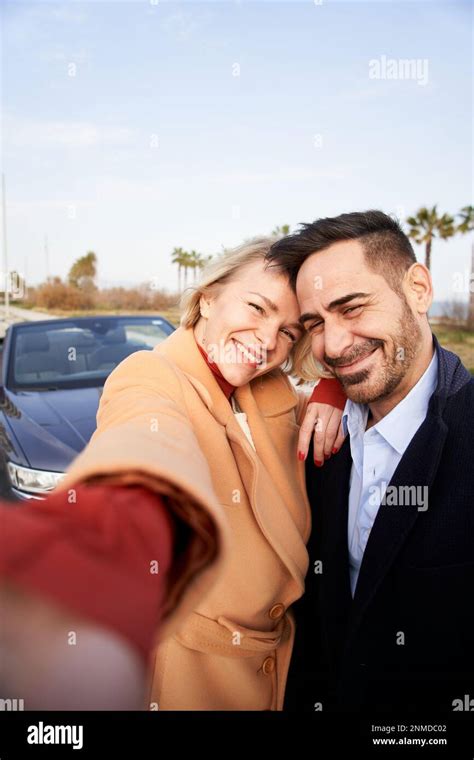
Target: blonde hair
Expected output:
[305,366]
[224,268]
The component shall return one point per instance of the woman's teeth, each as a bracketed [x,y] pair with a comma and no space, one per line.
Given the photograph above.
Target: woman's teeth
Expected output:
[245,352]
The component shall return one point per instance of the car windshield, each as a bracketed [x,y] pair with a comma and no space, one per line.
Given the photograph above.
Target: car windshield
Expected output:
[78,353]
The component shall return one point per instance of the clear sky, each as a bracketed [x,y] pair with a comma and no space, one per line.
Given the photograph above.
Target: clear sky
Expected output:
[133,127]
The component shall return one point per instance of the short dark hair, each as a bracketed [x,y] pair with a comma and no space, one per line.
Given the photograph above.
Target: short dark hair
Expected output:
[387,249]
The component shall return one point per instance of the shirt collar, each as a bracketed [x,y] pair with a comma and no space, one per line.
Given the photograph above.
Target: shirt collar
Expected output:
[398,426]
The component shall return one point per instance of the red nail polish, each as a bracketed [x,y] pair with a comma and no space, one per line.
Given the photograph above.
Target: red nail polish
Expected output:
[334,451]
[318,463]
[327,456]
[300,456]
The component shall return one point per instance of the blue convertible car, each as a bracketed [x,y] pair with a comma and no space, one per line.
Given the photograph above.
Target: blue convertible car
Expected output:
[52,376]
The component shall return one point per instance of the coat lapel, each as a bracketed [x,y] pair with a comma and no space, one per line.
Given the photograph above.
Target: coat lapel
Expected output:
[276,502]
[265,474]
[181,349]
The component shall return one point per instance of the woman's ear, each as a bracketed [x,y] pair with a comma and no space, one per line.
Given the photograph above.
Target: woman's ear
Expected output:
[205,304]
[419,287]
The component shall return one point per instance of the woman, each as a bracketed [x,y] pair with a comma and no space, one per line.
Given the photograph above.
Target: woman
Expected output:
[209,421]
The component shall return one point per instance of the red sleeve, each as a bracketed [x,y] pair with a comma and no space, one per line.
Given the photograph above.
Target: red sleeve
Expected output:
[329,391]
[105,556]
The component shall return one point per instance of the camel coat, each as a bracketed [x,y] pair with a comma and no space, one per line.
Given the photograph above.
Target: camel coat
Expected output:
[226,639]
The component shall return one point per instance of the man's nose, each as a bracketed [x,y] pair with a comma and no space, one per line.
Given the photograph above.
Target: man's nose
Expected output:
[337,340]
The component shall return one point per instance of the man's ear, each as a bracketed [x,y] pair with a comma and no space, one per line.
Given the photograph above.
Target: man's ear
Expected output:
[418,287]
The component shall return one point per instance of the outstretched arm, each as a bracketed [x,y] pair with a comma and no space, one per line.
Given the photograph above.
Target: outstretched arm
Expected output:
[96,555]
[82,590]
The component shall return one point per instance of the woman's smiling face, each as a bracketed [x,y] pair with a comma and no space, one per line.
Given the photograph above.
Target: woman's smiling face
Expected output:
[249,324]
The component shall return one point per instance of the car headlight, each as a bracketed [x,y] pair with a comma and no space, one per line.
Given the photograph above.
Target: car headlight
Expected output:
[33,481]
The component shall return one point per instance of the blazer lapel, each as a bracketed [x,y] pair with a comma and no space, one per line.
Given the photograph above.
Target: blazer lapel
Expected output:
[328,543]
[393,523]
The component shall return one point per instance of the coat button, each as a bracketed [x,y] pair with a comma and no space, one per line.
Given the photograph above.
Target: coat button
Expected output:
[276,611]
[268,665]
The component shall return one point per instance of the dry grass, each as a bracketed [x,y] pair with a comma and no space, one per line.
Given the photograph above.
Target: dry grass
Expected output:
[458,340]
[66,299]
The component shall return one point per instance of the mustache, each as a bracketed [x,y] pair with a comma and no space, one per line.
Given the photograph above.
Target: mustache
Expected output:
[359,352]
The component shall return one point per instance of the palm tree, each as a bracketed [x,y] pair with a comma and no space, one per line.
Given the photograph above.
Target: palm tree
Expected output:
[283,230]
[186,263]
[198,262]
[177,258]
[84,271]
[465,227]
[426,225]
[467,216]
[195,262]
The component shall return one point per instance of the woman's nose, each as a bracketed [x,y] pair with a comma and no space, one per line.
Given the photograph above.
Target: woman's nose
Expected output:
[268,338]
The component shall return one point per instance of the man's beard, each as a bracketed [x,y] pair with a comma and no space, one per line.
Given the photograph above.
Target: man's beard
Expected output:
[389,372]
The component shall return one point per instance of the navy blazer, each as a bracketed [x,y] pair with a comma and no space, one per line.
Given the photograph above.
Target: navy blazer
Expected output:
[405,643]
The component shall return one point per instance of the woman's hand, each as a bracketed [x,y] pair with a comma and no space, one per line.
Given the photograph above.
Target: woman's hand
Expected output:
[95,575]
[37,661]
[324,423]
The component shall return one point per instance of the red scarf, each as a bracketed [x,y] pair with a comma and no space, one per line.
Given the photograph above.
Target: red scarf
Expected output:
[224,385]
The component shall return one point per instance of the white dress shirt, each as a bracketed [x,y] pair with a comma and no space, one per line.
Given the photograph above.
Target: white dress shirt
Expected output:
[375,456]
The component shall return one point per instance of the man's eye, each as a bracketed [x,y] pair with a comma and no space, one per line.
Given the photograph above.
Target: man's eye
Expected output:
[315,326]
[352,308]
[259,308]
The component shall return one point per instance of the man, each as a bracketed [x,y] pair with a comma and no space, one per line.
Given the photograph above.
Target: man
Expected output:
[387,620]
